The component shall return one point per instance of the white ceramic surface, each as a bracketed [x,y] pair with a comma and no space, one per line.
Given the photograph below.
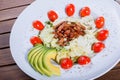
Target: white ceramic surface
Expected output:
[101,63]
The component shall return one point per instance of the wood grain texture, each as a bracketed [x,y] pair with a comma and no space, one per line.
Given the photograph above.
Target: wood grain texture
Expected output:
[5,4]
[111,75]
[6,57]
[12,73]
[4,40]
[6,26]
[117,66]
[11,13]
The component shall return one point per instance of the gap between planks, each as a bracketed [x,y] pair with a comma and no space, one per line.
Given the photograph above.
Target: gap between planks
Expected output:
[13,72]
[6,26]
[6,57]
[7,4]
[11,13]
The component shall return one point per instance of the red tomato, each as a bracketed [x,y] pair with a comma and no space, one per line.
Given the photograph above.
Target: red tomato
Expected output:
[35,40]
[66,63]
[52,15]
[70,9]
[85,11]
[102,35]
[98,46]
[100,21]
[83,60]
[38,25]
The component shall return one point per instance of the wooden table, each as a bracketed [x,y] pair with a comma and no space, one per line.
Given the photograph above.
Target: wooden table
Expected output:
[9,11]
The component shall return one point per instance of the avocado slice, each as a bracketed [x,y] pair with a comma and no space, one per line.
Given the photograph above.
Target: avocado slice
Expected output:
[40,63]
[36,61]
[51,54]
[33,53]
[40,56]
[33,50]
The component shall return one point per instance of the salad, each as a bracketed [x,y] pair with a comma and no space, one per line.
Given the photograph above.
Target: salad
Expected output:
[67,42]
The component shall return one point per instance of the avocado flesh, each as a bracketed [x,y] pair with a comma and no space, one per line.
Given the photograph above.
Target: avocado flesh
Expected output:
[32,54]
[39,57]
[40,63]
[33,50]
[51,54]
[36,61]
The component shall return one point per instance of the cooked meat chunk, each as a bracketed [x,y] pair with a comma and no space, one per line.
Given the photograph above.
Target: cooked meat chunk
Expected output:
[67,31]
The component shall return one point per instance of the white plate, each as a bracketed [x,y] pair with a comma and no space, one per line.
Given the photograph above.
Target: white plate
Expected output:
[101,63]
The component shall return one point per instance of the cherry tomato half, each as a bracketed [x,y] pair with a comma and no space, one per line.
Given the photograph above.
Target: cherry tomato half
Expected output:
[66,63]
[102,35]
[35,40]
[85,11]
[100,21]
[70,9]
[38,25]
[98,46]
[52,15]
[83,60]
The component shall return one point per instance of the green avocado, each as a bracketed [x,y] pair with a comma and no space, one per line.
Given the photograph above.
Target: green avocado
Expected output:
[33,50]
[32,55]
[51,54]
[40,63]
[36,61]
[40,59]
